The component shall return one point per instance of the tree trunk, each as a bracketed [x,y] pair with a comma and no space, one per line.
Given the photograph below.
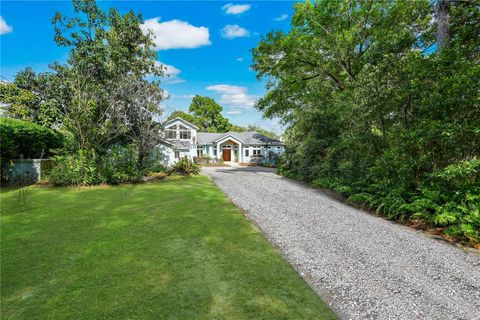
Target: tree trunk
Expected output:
[443,17]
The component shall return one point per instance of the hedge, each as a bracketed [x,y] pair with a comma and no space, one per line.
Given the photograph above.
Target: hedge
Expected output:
[25,139]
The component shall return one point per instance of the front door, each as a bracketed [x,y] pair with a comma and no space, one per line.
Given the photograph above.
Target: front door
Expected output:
[227,155]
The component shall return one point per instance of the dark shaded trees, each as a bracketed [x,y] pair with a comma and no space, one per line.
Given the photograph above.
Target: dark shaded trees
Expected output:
[372,115]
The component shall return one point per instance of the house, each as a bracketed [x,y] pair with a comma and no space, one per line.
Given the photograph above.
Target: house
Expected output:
[184,140]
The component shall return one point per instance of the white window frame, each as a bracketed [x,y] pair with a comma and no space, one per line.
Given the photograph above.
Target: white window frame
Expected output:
[187,133]
[169,133]
[200,151]
[176,154]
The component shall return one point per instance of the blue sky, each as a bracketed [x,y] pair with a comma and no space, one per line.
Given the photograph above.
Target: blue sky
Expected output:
[205,44]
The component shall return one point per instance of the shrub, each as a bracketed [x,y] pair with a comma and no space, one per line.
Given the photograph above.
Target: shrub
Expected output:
[75,169]
[26,139]
[451,199]
[23,139]
[120,165]
[186,167]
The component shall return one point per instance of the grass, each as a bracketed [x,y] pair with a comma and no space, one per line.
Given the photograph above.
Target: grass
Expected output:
[176,249]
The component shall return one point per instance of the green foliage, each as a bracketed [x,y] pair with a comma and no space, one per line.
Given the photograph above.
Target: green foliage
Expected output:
[120,165]
[372,115]
[208,115]
[108,97]
[185,116]
[185,166]
[26,139]
[80,168]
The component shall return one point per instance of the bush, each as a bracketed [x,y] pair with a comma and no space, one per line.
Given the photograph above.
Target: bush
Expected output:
[120,165]
[451,199]
[75,169]
[186,167]
[26,139]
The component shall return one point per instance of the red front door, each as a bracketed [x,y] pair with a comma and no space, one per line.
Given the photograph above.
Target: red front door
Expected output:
[227,155]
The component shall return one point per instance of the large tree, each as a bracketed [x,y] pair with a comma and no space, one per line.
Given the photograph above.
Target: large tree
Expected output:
[368,109]
[209,114]
[108,52]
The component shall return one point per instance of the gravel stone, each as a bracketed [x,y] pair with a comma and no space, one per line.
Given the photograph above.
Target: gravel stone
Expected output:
[363,266]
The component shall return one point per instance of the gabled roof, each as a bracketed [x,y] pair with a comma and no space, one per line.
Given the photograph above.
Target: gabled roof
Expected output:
[247,138]
[185,122]
[228,135]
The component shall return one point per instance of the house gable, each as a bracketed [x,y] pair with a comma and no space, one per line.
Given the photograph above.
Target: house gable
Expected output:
[181,121]
[228,137]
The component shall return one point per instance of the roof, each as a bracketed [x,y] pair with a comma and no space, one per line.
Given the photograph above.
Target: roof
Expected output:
[248,137]
[181,145]
[181,120]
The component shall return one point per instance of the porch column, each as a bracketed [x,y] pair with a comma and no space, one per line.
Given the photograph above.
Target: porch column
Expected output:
[219,152]
[240,152]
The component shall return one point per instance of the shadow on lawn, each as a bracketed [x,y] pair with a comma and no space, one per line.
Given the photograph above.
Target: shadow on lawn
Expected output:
[175,249]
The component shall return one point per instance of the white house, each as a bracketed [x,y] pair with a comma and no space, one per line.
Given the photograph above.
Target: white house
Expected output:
[183,139]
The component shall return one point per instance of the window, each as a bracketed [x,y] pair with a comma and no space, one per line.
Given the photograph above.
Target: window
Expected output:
[185,135]
[256,152]
[199,151]
[214,151]
[171,134]
[247,153]
[177,154]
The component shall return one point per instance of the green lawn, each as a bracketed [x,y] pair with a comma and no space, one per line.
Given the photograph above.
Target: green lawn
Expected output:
[170,250]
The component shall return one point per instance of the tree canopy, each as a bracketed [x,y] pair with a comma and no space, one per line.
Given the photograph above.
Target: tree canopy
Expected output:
[371,112]
[208,115]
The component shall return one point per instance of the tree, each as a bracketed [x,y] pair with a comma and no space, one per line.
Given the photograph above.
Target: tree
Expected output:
[17,103]
[35,97]
[108,50]
[185,116]
[369,113]
[208,114]
[443,22]
[143,117]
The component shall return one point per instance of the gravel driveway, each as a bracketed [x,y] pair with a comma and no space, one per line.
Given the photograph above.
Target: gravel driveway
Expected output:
[363,266]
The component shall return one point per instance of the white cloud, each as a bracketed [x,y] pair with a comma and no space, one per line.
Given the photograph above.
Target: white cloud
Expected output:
[183,96]
[240,59]
[170,73]
[281,17]
[233,95]
[4,27]
[231,31]
[176,34]
[234,112]
[231,8]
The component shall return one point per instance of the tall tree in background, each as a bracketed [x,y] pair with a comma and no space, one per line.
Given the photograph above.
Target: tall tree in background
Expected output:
[35,97]
[185,116]
[209,115]
[443,22]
